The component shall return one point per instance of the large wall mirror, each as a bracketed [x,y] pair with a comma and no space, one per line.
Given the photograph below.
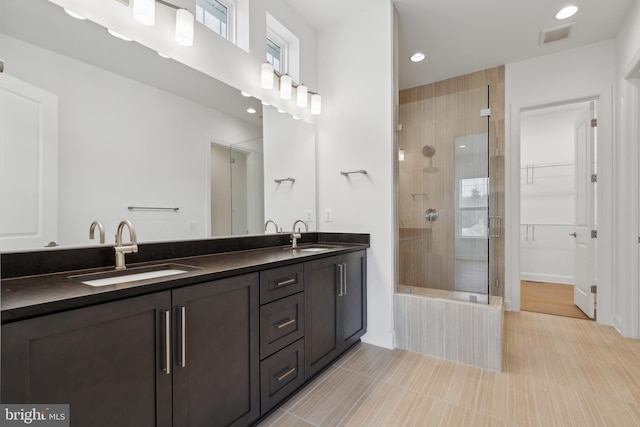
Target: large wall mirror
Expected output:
[98,128]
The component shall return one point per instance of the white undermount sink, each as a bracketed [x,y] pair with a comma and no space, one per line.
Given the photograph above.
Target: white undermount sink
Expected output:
[136,274]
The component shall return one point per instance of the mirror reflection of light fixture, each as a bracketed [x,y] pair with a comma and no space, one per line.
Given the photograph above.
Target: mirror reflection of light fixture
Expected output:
[144,11]
[285,86]
[316,104]
[266,76]
[184,27]
[301,96]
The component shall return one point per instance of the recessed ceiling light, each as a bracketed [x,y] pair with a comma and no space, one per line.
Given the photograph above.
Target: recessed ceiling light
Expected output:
[164,55]
[280,110]
[75,15]
[296,118]
[417,57]
[245,94]
[567,12]
[265,103]
[118,35]
[251,110]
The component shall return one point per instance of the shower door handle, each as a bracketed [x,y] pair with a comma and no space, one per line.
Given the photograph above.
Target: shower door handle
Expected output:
[574,234]
[499,219]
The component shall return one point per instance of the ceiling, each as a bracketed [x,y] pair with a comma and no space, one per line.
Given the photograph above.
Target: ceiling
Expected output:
[463,36]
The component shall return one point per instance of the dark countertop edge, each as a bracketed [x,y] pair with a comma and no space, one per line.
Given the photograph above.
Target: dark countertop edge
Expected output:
[163,284]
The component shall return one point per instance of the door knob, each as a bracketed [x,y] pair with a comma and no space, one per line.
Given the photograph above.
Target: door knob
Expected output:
[573,234]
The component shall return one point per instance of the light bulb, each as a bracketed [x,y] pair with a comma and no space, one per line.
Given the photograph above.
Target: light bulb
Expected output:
[285,87]
[266,76]
[184,27]
[301,96]
[316,104]
[144,11]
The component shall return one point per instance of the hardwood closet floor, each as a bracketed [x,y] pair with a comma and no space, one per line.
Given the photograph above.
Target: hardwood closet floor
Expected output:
[559,371]
[549,298]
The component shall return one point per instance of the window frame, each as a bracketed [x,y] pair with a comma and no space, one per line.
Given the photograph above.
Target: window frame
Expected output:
[284,50]
[231,19]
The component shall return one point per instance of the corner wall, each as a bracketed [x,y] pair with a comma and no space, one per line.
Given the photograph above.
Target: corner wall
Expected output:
[356,131]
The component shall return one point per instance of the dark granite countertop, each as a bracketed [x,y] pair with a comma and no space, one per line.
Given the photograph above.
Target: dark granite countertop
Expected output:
[30,296]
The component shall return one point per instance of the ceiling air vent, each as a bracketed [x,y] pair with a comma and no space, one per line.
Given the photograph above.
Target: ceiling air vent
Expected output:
[556,33]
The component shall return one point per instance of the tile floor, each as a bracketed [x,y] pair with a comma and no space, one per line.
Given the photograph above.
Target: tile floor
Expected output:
[558,372]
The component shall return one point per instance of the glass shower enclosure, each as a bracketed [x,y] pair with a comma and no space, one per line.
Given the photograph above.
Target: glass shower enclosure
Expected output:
[443,202]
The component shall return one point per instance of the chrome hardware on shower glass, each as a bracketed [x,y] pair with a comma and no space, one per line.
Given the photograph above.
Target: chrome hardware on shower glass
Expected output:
[431,214]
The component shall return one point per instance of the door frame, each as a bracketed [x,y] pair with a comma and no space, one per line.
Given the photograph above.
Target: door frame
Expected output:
[605,201]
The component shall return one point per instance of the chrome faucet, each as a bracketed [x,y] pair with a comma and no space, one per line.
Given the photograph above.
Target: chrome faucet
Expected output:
[295,236]
[125,249]
[92,230]
[270,221]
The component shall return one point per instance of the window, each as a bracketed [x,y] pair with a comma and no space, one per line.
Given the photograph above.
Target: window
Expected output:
[474,205]
[277,52]
[217,15]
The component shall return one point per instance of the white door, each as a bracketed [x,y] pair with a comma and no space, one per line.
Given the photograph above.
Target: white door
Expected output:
[584,215]
[28,165]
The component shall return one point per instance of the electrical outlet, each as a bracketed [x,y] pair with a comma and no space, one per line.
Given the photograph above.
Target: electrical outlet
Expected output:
[309,215]
[328,215]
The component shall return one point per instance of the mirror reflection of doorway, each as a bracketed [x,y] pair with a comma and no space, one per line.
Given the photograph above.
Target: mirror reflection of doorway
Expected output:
[554,197]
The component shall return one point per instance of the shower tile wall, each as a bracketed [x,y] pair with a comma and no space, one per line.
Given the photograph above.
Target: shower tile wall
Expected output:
[435,115]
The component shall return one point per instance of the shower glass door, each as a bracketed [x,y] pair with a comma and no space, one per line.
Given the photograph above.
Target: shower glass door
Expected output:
[444,195]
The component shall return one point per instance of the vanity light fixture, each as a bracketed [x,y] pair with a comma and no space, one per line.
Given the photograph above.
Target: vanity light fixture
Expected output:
[417,57]
[74,15]
[144,11]
[316,104]
[184,27]
[301,96]
[567,12]
[266,76]
[285,86]
[118,35]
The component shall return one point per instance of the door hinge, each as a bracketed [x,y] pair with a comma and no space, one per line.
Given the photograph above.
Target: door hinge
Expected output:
[594,234]
[594,123]
[399,127]
[594,177]
[594,289]
[485,112]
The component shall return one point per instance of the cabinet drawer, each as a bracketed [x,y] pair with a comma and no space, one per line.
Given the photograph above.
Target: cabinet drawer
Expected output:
[281,323]
[280,282]
[281,374]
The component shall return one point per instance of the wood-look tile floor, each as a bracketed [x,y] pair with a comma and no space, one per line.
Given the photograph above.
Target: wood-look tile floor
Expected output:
[549,298]
[557,372]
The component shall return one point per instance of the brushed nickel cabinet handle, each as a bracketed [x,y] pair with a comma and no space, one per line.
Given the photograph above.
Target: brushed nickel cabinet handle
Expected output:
[285,323]
[167,342]
[341,279]
[344,278]
[286,282]
[183,336]
[286,374]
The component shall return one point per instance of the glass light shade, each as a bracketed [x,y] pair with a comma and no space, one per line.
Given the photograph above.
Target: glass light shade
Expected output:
[301,96]
[285,87]
[316,104]
[184,27]
[144,11]
[266,76]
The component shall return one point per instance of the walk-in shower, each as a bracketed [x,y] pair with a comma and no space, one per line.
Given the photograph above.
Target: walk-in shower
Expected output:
[443,201]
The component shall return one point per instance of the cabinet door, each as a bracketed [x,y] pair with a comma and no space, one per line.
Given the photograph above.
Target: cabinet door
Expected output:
[106,361]
[321,323]
[353,301]
[216,369]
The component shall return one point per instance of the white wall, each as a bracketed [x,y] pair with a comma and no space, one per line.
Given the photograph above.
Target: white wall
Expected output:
[115,134]
[355,131]
[626,296]
[579,73]
[289,152]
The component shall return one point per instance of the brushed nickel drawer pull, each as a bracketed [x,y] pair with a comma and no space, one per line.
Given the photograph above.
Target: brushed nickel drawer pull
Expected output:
[183,336]
[167,342]
[285,323]
[286,374]
[287,282]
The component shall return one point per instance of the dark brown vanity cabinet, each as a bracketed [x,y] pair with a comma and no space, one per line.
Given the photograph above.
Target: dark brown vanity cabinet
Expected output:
[109,362]
[187,357]
[216,358]
[335,302]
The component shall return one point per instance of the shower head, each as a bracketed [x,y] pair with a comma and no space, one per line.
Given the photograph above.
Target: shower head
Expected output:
[428,151]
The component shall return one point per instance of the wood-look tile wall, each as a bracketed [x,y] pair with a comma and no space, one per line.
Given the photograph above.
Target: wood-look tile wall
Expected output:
[435,115]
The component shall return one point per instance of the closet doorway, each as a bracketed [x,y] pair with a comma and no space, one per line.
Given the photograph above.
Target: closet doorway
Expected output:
[558,179]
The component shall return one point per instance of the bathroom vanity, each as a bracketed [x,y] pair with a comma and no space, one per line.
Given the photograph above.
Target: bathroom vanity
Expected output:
[222,343]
